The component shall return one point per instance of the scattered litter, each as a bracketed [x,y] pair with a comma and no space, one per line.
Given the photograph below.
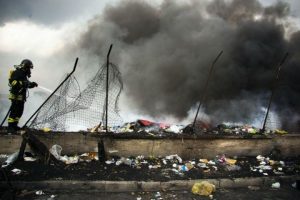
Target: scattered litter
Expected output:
[260,158]
[182,168]
[113,151]
[39,192]
[108,162]
[52,197]
[211,162]
[230,161]
[11,159]
[171,157]
[55,150]
[203,188]
[203,160]
[69,160]
[29,159]
[276,185]
[46,129]
[157,194]
[233,168]
[16,171]
[202,165]
[88,157]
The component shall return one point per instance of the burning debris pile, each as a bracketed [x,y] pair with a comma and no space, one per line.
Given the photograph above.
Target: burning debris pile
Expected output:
[70,107]
[146,127]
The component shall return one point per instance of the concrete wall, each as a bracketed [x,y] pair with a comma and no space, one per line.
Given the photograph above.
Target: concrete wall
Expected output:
[200,147]
[203,148]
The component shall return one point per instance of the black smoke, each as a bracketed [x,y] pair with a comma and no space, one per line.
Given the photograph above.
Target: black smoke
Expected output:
[165,52]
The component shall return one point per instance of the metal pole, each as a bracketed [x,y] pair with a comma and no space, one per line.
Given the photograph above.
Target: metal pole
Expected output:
[107,74]
[205,88]
[5,117]
[273,89]
[76,61]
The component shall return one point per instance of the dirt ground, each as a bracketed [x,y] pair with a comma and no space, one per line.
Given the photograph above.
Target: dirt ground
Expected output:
[284,193]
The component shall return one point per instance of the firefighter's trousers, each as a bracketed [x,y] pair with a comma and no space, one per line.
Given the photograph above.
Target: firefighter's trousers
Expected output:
[16,111]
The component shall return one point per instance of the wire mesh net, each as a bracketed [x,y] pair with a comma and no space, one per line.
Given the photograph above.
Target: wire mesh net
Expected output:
[70,109]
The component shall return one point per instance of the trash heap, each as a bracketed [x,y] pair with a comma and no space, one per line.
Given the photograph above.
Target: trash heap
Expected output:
[267,165]
[141,125]
[147,127]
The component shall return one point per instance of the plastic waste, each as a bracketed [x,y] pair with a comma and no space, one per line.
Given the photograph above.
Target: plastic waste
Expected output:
[88,157]
[230,161]
[182,168]
[164,161]
[276,185]
[108,162]
[202,165]
[39,192]
[29,159]
[16,171]
[211,162]
[125,161]
[189,166]
[233,167]
[260,158]
[55,150]
[119,162]
[157,194]
[46,130]
[11,159]
[203,188]
[69,160]
[171,157]
[203,160]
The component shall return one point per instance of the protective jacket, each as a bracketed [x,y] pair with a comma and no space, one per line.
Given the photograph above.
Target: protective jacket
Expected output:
[19,84]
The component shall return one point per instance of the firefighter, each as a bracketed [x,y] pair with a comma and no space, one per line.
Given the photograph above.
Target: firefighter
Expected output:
[19,84]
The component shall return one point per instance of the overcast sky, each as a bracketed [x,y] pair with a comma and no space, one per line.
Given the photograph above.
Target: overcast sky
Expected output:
[39,29]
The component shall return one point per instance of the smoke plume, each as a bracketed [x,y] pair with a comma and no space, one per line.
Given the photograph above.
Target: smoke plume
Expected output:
[165,52]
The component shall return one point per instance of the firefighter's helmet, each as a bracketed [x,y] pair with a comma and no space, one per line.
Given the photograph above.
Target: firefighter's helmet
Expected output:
[26,63]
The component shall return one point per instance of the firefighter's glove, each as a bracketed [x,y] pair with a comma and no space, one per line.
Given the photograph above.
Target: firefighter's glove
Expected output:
[32,85]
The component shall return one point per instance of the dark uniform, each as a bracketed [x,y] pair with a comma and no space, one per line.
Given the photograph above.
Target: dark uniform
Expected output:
[19,84]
